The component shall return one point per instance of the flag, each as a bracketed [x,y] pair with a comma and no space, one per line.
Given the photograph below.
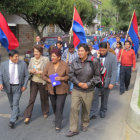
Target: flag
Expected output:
[79,35]
[111,41]
[133,32]
[7,38]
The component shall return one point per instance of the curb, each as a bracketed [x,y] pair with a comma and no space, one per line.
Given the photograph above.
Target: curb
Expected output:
[133,118]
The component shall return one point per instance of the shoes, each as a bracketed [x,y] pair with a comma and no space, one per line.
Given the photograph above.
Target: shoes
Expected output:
[126,88]
[84,129]
[102,114]
[45,116]
[57,129]
[93,117]
[17,118]
[121,92]
[27,120]
[70,134]
[11,125]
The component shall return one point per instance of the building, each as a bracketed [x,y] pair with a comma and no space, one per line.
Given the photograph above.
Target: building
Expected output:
[21,29]
[93,29]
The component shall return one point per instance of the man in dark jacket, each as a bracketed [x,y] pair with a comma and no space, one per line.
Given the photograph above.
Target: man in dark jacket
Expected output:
[84,74]
[110,63]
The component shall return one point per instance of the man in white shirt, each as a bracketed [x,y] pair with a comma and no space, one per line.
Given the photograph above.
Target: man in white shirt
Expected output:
[13,79]
[118,39]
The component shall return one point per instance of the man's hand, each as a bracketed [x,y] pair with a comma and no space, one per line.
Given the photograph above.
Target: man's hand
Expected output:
[1,87]
[98,54]
[23,89]
[133,69]
[80,84]
[110,86]
[83,85]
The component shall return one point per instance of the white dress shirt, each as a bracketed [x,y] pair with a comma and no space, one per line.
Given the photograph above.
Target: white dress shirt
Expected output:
[102,60]
[16,79]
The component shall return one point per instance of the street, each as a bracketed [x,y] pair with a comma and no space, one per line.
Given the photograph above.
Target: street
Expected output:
[112,127]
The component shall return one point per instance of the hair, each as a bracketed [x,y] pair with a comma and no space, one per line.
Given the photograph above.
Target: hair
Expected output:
[120,44]
[59,42]
[59,36]
[39,48]
[70,46]
[85,46]
[38,36]
[12,53]
[118,36]
[56,51]
[103,45]
[89,44]
[51,48]
[127,41]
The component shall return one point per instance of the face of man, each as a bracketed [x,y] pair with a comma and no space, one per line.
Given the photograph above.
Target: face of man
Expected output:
[14,58]
[59,46]
[90,47]
[59,38]
[127,45]
[129,39]
[71,50]
[103,51]
[82,53]
[118,39]
[38,39]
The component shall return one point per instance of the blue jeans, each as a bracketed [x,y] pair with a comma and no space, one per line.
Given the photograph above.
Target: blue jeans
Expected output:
[118,72]
[70,85]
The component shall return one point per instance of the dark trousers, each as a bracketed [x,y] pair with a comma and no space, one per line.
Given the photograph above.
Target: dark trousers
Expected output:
[58,102]
[34,88]
[104,92]
[125,76]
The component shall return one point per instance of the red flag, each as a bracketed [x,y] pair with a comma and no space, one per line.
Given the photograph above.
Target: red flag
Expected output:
[7,38]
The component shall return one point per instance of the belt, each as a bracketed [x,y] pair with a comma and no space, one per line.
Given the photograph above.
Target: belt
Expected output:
[14,84]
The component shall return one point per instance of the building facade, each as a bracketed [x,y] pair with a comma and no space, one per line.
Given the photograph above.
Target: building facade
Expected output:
[93,28]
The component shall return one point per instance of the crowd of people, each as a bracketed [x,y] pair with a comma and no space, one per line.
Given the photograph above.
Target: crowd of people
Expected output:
[86,74]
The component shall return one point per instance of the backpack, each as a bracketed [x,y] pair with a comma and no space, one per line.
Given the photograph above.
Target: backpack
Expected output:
[102,73]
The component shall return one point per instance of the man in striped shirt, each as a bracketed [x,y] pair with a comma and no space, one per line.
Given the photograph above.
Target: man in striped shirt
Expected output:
[69,54]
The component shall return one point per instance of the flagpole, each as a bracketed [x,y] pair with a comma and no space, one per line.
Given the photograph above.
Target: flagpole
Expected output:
[127,34]
[72,25]
[129,25]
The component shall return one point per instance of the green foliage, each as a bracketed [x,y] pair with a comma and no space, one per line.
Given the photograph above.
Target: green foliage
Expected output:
[108,15]
[44,12]
[125,9]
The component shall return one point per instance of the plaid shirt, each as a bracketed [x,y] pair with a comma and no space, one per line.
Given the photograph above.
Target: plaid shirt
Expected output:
[69,56]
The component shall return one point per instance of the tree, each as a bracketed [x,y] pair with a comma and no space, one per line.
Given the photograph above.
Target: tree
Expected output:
[108,14]
[40,13]
[125,9]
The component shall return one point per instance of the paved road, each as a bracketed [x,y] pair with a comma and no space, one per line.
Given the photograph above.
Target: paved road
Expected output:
[113,127]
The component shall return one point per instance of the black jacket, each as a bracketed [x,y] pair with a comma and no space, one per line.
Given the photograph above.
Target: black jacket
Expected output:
[85,73]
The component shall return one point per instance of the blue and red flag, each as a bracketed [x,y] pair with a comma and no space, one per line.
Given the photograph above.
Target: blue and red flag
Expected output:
[7,38]
[79,35]
[133,32]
